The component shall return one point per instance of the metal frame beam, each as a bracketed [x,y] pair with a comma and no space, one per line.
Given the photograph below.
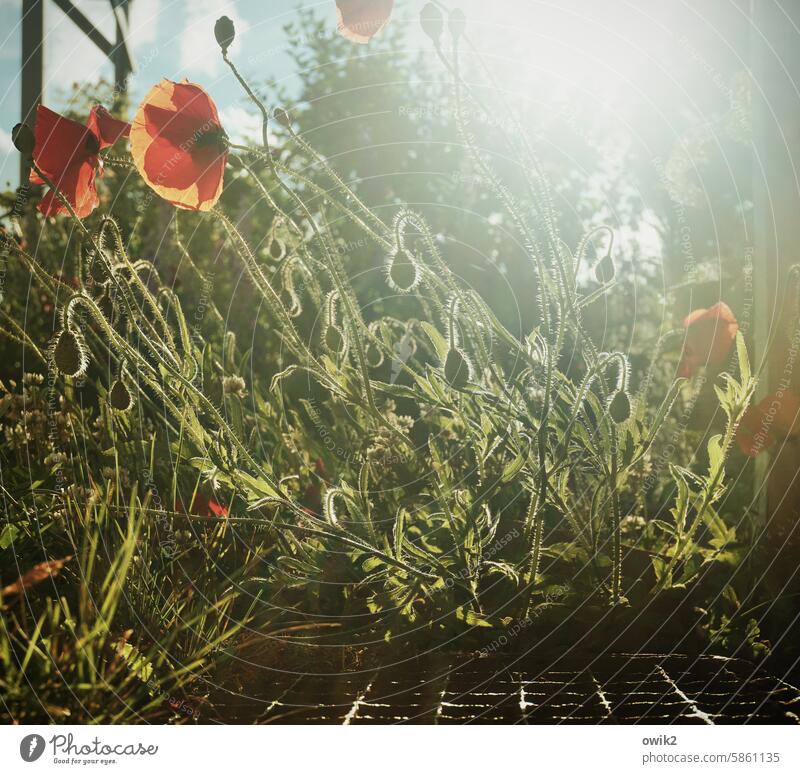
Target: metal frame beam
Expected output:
[32,64]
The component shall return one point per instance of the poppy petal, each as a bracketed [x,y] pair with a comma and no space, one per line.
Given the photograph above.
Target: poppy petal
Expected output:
[77,185]
[177,144]
[59,142]
[710,334]
[361,20]
[65,151]
[107,128]
[216,509]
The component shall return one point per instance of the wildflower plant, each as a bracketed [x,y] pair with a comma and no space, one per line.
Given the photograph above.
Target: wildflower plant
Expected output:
[441,470]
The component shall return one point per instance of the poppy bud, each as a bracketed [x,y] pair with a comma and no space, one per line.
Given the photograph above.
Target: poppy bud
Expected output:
[119,396]
[605,271]
[457,22]
[282,116]
[620,407]
[98,267]
[402,272]
[224,32]
[374,355]
[334,339]
[456,369]
[69,354]
[23,139]
[106,306]
[432,22]
[277,249]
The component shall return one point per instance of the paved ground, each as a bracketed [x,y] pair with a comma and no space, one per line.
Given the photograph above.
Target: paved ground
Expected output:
[621,688]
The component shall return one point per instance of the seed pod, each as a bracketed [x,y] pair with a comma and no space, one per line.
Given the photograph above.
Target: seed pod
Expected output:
[604,271]
[23,139]
[224,32]
[69,354]
[620,407]
[457,22]
[430,18]
[456,369]
[403,272]
[119,397]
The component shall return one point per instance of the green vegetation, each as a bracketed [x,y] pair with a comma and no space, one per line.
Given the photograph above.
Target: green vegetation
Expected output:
[303,414]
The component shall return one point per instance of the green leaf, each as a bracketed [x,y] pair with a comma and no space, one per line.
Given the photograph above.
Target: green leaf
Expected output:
[471,618]
[681,508]
[511,470]
[664,410]
[279,377]
[660,568]
[257,487]
[371,563]
[436,338]
[399,529]
[716,456]
[8,535]
[136,662]
[744,360]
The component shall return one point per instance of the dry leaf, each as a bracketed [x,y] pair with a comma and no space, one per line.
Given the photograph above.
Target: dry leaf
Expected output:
[36,575]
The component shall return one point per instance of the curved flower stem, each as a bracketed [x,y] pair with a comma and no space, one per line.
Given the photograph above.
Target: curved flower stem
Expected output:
[208,406]
[268,293]
[616,518]
[355,323]
[110,223]
[120,286]
[340,184]
[187,256]
[19,335]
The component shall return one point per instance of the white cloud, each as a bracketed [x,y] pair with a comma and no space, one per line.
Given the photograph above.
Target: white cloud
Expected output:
[240,124]
[6,146]
[69,55]
[9,160]
[143,23]
[198,48]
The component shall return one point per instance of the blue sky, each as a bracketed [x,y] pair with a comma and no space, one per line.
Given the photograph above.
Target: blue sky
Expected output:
[171,38]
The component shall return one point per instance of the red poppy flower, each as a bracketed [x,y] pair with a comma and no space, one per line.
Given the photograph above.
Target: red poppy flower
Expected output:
[68,153]
[361,20]
[204,506]
[775,418]
[216,509]
[179,146]
[710,334]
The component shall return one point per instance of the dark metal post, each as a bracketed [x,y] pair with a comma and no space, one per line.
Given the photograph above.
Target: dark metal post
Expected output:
[120,55]
[32,67]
